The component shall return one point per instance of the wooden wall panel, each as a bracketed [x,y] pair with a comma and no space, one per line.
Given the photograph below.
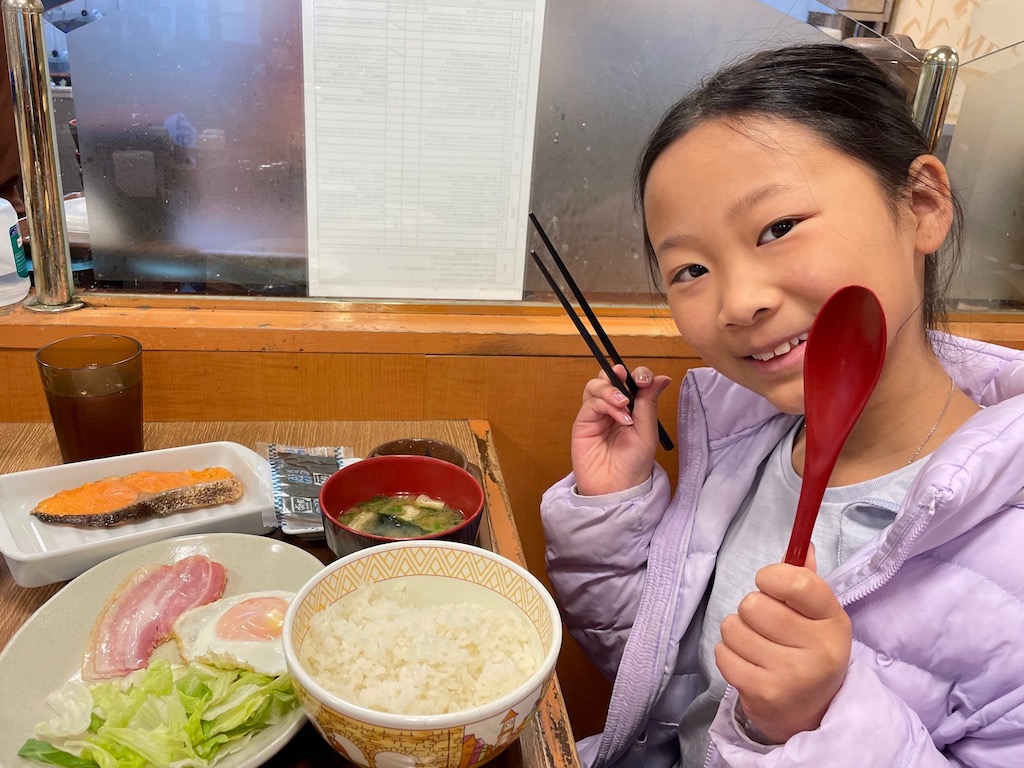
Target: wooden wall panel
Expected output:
[247,386]
[280,385]
[21,398]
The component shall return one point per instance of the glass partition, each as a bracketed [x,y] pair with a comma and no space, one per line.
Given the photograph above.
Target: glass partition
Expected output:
[985,157]
[189,121]
[190,127]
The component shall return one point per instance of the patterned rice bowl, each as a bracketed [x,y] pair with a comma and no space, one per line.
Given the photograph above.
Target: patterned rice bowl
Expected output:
[462,739]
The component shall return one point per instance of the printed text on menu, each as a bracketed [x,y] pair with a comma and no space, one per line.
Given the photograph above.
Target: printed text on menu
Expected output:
[419,145]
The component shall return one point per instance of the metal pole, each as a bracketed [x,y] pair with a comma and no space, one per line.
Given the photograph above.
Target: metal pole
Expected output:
[40,169]
[934,91]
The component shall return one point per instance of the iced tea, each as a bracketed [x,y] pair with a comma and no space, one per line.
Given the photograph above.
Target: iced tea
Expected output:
[93,386]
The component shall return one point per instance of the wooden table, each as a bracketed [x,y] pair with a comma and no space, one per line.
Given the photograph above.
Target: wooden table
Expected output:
[546,743]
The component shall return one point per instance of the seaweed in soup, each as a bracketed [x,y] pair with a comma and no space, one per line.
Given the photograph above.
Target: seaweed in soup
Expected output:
[402,516]
[393,527]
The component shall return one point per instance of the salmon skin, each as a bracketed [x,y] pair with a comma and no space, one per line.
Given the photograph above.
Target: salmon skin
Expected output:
[141,495]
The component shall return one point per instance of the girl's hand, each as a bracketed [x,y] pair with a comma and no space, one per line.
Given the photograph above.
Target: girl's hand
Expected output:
[786,650]
[611,449]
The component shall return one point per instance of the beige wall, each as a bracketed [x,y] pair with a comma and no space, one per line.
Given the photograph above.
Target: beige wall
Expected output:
[974,28]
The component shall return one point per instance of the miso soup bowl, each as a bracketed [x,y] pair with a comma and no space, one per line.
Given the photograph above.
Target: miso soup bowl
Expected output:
[398,475]
[434,572]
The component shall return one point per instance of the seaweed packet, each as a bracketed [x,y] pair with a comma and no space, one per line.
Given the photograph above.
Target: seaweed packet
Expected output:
[297,474]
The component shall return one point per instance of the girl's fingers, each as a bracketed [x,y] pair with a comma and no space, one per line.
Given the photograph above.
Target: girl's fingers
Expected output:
[620,371]
[650,387]
[651,391]
[621,415]
[601,400]
[746,642]
[642,376]
[737,671]
[772,620]
[800,588]
[811,561]
[601,389]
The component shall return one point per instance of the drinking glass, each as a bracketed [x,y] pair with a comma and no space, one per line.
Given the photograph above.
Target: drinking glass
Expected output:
[93,386]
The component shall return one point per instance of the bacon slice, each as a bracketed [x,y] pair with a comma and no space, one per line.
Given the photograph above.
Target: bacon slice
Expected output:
[140,614]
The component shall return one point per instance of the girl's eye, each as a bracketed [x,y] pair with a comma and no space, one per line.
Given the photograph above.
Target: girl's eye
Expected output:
[779,229]
[687,274]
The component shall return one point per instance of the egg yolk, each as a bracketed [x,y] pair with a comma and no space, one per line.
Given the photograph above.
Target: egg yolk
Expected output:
[258,618]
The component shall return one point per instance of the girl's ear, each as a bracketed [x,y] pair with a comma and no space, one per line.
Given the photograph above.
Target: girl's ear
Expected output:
[930,201]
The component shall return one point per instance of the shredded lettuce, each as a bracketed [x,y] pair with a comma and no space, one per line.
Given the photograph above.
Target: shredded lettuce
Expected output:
[166,716]
[72,710]
[40,751]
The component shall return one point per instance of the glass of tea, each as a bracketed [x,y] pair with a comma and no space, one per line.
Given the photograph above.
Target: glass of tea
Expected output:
[93,386]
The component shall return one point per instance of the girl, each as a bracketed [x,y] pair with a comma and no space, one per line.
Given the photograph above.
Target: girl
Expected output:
[901,643]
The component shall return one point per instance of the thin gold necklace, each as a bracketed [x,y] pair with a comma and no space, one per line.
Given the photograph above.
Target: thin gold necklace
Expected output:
[949,399]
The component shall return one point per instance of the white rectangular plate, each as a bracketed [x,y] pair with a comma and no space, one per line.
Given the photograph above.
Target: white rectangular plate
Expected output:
[39,553]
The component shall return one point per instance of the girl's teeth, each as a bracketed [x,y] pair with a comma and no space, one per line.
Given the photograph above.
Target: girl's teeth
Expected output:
[782,349]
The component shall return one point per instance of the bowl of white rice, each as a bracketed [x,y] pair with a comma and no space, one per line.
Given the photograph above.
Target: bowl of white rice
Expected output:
[425,653]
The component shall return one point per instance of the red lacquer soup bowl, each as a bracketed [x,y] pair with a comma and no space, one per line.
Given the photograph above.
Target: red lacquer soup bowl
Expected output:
[398,476]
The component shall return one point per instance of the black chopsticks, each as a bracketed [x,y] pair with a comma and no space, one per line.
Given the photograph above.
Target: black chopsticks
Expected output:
[630,387]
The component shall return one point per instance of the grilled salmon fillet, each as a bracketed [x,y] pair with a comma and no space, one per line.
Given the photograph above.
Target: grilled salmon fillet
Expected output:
[116,500]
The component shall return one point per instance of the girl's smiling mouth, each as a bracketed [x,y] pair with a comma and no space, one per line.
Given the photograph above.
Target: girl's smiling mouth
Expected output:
[781,349]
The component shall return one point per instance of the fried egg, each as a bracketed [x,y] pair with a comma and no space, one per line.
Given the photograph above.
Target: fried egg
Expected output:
[236,632]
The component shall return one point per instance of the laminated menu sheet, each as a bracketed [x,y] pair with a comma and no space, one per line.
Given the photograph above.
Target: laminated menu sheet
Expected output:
[419,122]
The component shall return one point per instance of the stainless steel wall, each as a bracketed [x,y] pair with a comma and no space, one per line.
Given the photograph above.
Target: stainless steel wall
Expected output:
[223,211]
[607,76]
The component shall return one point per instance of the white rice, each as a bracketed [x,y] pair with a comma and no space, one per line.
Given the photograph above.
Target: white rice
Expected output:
[377,648]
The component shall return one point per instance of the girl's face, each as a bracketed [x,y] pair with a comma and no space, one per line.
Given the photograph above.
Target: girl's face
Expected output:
[754,227]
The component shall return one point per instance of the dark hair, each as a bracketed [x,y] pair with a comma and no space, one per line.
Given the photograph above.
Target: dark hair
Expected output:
[840,94]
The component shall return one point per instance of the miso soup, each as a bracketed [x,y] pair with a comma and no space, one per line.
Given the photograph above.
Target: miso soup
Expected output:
[402,516]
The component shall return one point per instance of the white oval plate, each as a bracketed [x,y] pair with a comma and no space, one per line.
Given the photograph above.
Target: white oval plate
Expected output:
[47,651]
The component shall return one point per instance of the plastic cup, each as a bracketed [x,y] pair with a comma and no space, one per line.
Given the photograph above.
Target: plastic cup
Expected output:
[93,385]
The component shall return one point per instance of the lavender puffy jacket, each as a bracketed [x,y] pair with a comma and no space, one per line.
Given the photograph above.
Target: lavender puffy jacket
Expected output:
[936,676]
